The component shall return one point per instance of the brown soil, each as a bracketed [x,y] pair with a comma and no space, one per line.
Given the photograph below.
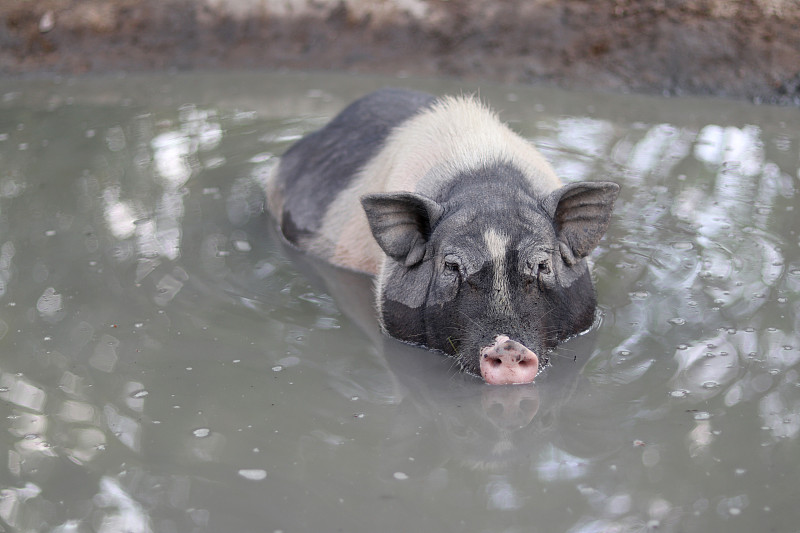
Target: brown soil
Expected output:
[740,48]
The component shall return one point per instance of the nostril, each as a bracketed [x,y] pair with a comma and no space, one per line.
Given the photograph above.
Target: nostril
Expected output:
[494,361]
[507,361]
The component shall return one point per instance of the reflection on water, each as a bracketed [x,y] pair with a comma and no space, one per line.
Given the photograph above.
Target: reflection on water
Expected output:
[166,364]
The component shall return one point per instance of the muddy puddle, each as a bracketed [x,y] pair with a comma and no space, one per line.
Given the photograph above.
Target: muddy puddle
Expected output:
[167,365]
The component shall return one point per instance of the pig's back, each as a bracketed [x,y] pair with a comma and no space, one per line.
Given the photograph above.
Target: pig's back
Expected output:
[389,141]
[428,153]
[456,135]
[314,171]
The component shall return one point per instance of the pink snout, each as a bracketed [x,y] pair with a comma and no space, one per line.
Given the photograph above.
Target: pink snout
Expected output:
[508,362]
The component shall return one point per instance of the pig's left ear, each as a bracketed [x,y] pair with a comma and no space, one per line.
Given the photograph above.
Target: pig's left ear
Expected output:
[401,223]
[581,212]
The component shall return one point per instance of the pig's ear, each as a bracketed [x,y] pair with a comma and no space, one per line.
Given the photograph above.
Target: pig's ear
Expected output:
[401,223]
[580,213]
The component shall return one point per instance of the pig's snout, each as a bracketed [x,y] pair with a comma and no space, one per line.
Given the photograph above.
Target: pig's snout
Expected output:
[508,362]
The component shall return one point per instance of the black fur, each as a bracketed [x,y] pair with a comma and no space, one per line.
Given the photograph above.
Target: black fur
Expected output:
[551,299]
[319,166]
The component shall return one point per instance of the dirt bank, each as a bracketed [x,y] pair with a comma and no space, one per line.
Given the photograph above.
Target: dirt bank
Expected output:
[740,48]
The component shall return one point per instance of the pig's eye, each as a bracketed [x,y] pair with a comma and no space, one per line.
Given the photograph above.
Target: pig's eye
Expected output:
[539,273]
[543,268]
[545,274]
[452,267]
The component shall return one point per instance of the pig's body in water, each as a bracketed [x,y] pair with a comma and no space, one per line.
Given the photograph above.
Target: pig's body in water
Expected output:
[478,248]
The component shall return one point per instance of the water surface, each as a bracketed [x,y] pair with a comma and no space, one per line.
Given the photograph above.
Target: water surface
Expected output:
[167,365]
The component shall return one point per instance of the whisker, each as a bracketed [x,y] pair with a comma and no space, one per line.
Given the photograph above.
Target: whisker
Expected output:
[474,322]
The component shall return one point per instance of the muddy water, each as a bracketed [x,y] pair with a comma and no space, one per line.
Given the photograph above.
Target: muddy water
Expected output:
[167,365]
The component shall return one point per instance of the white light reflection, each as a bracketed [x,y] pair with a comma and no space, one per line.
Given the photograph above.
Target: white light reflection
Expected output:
[28,425]
[125,428]
[578,144]
[201,125]
[502,495]
[70,526]
[560,465]
[706,368]
[172,157]
[662,147]
[700,438]
[120,216]
[253,474]
[126,515]
[87,443]
[81,412]
[731,148]
[134,396]
[11,501]
[50,303]
[21,392]
[618,515]
[780,413]
[115,139]
[7,251]
[171,153]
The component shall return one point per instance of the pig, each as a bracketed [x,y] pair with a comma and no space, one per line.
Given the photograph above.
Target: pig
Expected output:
[478,249]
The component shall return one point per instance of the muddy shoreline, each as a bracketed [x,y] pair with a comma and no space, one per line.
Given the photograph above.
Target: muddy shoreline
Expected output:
[746,49]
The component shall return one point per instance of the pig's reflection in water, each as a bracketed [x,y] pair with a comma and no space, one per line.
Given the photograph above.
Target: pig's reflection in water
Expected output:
[482,426]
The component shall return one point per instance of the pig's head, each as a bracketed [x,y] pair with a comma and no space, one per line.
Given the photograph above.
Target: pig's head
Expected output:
[493,277]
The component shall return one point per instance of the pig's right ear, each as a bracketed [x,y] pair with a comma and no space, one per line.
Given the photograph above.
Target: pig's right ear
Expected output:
[401,223]
[581,213]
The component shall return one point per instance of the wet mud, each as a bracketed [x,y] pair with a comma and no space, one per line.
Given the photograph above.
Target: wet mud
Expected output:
[735,48]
